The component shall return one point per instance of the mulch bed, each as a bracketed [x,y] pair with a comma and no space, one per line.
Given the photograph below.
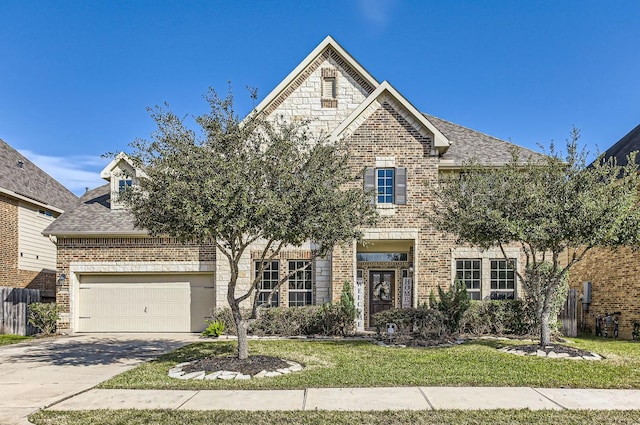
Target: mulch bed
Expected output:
[249,366]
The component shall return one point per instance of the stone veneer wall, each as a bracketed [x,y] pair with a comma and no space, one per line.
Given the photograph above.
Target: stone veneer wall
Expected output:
[386,134]
[614,286]
[121,250]
[303,99]
[10,275]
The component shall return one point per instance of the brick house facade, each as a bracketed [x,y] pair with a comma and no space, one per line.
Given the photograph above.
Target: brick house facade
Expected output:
[401,260]
[30,200]
[613,274]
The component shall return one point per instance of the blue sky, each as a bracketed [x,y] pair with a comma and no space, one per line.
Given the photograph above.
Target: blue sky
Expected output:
[76,76]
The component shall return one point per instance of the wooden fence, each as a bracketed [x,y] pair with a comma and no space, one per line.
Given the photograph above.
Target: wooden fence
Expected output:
[14,310]
[569,314]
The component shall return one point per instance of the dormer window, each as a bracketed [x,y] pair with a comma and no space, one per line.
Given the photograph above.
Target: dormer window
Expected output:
[329,88]
[122,174]
[124,184]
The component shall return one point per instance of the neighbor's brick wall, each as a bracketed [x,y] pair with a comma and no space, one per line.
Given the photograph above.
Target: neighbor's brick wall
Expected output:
[385,133]
[10,275]
[8,242]
[615,286]
[140,249]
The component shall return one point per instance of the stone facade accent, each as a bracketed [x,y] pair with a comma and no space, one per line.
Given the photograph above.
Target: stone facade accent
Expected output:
[614,287]
[10,275]
[304,98]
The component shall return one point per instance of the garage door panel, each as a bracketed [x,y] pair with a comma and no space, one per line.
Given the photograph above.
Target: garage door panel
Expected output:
[144,303]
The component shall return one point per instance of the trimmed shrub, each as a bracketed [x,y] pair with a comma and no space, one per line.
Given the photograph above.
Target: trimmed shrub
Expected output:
[328,319]
[289,321]
[225,316]
[504,317]
[427,323]
[452,303]
[44,316]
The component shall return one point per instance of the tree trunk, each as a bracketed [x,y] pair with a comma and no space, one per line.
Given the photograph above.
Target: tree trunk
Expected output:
[545,330]
[241,325]
[243,344]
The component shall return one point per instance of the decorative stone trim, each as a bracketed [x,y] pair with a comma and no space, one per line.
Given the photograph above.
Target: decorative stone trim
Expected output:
[227,375]
[550,354]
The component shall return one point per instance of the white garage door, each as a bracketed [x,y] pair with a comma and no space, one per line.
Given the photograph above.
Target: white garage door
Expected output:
[144,303]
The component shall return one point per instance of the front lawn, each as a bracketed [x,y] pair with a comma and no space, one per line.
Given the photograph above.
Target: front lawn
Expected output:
[363,364]
[171,417]
[12,339]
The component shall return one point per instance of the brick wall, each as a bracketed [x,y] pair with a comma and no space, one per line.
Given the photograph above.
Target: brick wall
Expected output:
[615,286]
[10,275]
[385,133]
[139,249]
[8,242]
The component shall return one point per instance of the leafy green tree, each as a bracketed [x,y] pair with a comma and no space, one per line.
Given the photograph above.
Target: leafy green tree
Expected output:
[241,182]
[556,208]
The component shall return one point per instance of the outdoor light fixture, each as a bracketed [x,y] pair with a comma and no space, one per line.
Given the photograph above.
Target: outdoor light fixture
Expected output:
[411,268]
[61,280]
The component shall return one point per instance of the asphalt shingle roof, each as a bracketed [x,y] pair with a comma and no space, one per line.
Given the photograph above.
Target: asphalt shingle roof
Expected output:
[93,216]
[623,147]
[23,177]
[467,145]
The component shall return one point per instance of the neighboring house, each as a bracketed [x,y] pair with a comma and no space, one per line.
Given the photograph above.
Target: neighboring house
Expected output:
[30,200]
[119,279]
[613,274]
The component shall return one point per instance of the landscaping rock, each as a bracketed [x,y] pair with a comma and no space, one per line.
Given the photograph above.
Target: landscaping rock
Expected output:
[193,375]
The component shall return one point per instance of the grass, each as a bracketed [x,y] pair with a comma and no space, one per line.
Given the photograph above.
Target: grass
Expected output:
[12,339]
[362,364]
[177,417]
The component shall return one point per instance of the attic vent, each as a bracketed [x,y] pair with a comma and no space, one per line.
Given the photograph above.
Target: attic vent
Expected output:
[329,88]
[20,164]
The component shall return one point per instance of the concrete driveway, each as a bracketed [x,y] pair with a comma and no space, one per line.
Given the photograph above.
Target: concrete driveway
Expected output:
[39,373]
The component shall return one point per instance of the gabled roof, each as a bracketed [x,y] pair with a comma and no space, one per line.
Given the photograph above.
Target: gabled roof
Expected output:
[21,178]
[623,147]
[467,145]
[93,216]
[329,47]
[121,157]
[417,119]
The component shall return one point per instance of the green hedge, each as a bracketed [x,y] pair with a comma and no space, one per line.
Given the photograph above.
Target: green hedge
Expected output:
[504,317]
[427,323]
[328,319]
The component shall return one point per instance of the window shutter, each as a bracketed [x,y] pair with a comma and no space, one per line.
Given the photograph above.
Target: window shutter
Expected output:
[400,189]
[370,182]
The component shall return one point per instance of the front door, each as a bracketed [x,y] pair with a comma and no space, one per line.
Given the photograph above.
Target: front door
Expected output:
[381,290]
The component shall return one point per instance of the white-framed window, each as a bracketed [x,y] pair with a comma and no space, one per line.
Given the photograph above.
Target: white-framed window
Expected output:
[268,281]
[388,184]
[469,272]
[503,279]
[300,283]
[384,185]
[124,184]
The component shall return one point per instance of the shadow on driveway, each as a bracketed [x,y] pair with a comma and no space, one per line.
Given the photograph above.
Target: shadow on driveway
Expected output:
[94,350]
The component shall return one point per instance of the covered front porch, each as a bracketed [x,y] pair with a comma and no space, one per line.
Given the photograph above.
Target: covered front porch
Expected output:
[385,272]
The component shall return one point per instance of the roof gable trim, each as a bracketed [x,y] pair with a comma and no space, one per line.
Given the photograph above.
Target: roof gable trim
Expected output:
[327,44]
[385,91]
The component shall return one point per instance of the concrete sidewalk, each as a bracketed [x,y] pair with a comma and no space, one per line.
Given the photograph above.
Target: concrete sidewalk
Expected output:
[362,399]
